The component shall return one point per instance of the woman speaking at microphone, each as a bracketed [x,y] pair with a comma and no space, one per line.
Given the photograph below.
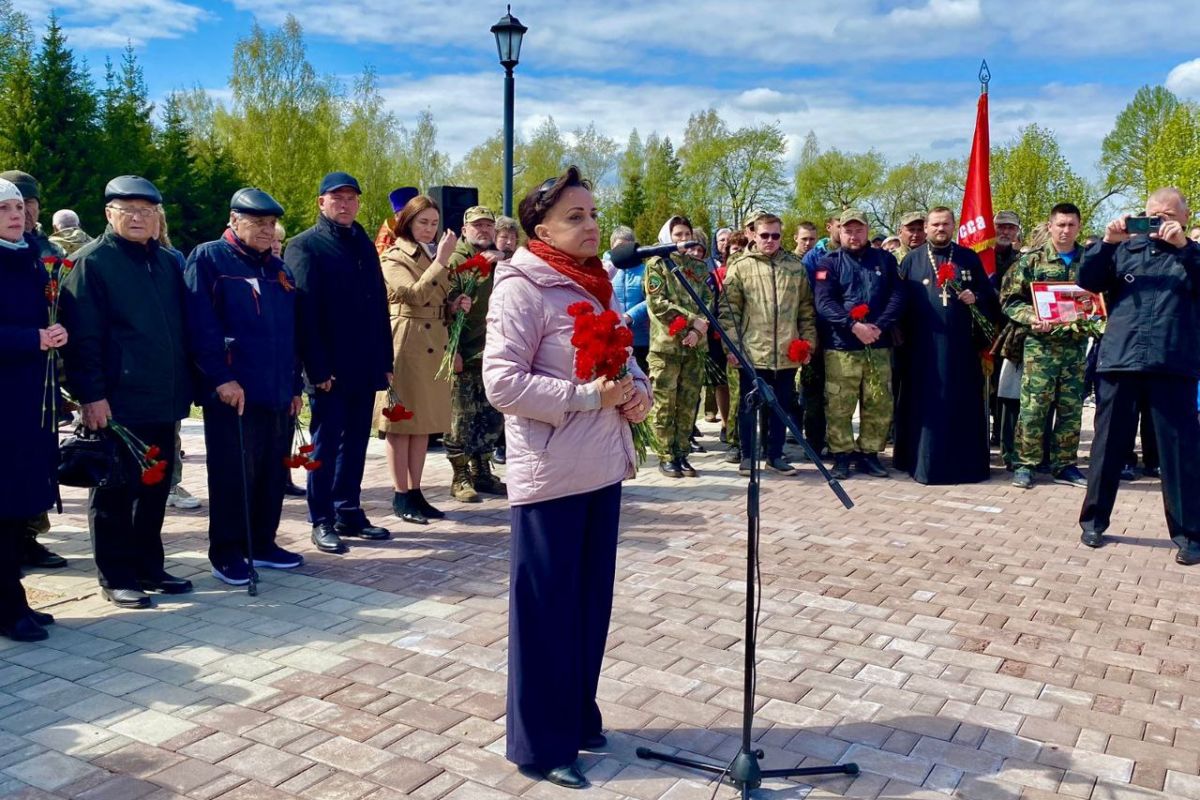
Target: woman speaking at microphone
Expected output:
[569,448]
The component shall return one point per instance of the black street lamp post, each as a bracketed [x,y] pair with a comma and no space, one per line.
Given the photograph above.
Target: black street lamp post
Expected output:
[508,32]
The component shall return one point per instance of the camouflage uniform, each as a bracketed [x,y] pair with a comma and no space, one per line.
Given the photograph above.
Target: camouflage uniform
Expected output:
[1054,364]
[474,424]
[677,371]
[69,239]
[851,377]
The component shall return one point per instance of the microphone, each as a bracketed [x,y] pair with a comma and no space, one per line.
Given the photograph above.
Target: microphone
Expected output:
[628,255]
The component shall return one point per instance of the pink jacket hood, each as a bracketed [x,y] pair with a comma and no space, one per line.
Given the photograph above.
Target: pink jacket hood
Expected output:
[560,441]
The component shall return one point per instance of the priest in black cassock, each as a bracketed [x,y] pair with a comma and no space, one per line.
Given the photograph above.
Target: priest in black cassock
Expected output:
[941,413]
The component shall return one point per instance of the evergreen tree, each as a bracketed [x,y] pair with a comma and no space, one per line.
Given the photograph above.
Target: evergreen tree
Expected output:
[631,172]
[16,66]
[126,141]
[662,187]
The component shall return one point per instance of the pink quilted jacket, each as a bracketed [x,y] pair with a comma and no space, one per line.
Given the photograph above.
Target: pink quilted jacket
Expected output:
[560,442]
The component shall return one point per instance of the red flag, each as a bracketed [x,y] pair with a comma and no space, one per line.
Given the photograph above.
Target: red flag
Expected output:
[976,228]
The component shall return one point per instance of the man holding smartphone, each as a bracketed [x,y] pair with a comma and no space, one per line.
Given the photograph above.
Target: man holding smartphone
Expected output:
[1150,353]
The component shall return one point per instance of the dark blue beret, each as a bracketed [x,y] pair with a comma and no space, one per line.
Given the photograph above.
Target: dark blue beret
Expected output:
[255,201]
[131,187]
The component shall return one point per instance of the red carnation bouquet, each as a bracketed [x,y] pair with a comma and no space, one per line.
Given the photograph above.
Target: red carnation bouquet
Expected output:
[148,456]
[467,277]
[677,326]
[602,351]
[58,268]
[859,314]
[799,350]
[303,451]
[947,277]
[395,411]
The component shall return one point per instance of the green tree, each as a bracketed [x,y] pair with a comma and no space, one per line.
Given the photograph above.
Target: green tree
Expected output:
[126,132]
[543,156]
[1173,158]
[1126,149]
[1030,174]
[663,187]
[421,164]
[483,167]
[829,181]
[369,148]
[915,185]
[16,66]
[593,152]
[631,173]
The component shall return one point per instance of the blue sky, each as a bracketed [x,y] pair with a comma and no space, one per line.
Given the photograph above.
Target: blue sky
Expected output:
[895,76]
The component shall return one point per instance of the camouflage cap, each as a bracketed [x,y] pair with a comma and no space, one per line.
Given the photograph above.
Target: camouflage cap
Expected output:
[1007,218]
[853,215]
[912,216]
[753,217]
[478,212]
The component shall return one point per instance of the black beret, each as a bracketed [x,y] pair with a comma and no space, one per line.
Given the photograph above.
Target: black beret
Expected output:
[338,180]
[255,201]
[25,182]
[131,187]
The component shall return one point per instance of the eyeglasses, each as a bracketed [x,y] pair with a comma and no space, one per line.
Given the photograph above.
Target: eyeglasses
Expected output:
[770,237]
[134,213]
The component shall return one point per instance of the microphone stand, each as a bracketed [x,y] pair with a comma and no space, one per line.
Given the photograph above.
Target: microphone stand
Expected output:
[745,772]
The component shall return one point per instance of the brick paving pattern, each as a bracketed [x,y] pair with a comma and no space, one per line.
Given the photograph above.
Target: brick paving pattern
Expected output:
[954,641]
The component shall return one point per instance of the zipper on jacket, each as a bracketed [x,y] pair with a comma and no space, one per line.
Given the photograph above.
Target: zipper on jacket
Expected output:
[775,312]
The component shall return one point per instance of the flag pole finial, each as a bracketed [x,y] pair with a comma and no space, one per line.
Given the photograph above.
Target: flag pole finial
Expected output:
[985,77]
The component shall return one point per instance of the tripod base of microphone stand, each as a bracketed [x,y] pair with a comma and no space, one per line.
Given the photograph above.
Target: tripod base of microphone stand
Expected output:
[744,772]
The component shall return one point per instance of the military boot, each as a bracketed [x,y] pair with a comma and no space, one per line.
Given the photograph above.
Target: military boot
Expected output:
[485,481]
[462,488]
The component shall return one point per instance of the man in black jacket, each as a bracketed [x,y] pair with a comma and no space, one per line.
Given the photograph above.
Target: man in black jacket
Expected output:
[1150,353]
[241,333]
[126,362]
[346,348]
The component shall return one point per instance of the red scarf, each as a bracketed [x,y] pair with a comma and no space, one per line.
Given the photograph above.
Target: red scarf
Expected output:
[590,274]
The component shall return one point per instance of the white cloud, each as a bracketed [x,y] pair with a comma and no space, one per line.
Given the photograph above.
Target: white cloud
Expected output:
[1184,79]
[110,24]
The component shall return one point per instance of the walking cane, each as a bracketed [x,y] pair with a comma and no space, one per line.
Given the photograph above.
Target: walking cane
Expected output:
[252,587]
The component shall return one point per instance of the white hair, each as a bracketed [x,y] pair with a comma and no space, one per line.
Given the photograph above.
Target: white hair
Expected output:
[64,218]
[621,233]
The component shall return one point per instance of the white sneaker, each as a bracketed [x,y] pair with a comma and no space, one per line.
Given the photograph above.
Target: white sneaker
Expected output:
[180,498]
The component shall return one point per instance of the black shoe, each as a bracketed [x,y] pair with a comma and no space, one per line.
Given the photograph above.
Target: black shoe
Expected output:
[500,455]
[869,463]
[1023,478]
[595,742]
[781,466]
[415,496]
[235,571]
[325,538]
[275,557]
[841,466]
[568,777]
[126,598]
[1092,538]
[733,454]
[1127,473]
[1188,556]
[669,468]
[404,508]
[696,447]
[1071,476]
[34,555]
[723,435]
[26,630]
[1152,472]
[166,584]
[292,490]
[40,617]
[362,528]
[685,468]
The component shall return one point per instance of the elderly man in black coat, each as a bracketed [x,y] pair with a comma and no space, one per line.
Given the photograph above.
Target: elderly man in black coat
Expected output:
[345,343]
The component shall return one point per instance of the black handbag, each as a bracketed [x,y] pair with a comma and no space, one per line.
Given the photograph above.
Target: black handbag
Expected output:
[91,459]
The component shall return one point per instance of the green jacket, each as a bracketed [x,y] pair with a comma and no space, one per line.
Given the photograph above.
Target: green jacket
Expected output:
[667,301]
[123,305]
[70,239]
[769,302]
[1016,290]
[470,344]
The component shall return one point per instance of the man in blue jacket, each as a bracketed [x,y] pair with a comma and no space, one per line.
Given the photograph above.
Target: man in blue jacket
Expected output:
[1150,354]
[241,333]
[345,343]
[630,293]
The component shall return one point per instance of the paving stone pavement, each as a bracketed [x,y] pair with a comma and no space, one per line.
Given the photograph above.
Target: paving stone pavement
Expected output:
[953,641]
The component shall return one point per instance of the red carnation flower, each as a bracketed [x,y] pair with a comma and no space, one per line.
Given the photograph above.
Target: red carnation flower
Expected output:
[312,465]
[153,452]
[799,350]
[151,476]
[946,274]
[859,312]
[475,262]
[582,307]
[677,325]
[307,448]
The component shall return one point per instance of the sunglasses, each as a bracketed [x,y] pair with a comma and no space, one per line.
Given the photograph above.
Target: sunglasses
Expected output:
[770,237]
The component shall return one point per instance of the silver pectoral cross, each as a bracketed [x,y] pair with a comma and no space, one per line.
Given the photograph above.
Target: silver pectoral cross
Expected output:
[945,296]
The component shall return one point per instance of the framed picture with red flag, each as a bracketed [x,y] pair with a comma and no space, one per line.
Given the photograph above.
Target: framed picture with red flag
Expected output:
[1064,302]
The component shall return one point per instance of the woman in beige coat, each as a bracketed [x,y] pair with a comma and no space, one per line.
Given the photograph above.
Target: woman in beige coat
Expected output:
[418,285]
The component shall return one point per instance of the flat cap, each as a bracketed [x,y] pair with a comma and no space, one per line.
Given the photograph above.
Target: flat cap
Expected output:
[1007,218]
[911,217]
[478,212]
[131,187]
[255,202]
[24,181]
[400,197]
[338,180]
[853,215]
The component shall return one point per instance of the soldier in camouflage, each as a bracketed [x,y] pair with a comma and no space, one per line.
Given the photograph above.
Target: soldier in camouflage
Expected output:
[68,236]
[911,234]
[474,424]
[1055,357]
[768,304]
[676,358]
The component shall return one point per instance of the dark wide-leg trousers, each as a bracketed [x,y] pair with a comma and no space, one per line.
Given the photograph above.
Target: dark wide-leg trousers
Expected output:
[1170,400]
[563,562]
[13,604]
[783,382]
[341,426]
[266,437]
[126,521]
